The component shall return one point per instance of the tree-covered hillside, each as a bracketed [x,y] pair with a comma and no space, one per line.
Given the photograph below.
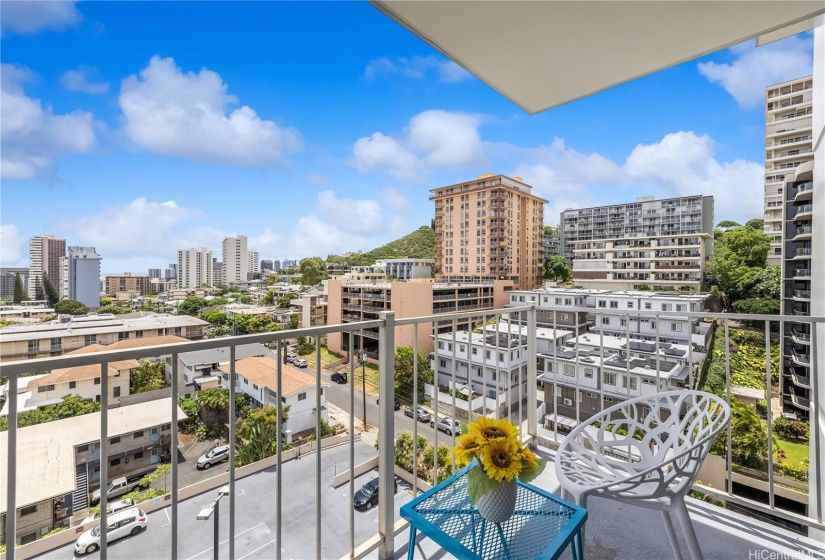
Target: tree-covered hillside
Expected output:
[419,244]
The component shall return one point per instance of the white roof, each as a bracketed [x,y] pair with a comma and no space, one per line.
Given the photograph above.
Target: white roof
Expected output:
[45,452]
[79,328]
[544,54]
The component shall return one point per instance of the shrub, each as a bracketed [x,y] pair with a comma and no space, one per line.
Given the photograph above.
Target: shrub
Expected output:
[791,429]
[762,407]
[792,471]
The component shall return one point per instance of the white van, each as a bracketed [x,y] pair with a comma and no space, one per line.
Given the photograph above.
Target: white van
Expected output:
[128,522]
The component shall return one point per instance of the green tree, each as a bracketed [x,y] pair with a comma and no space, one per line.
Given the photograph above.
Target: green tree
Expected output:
[52,297]
[268,299]
[104,301]
[148,376]
[293,321]
[218,332]
[555,268]
[756,223]
[728,224]
[404,371]
[285,299]
[246,299]
[215,317]
[191,305]
[39,295]
[214,398]
[19,291]
[739,263]
[312,270]
[70,307]
[113,309]
[749,436]
[257,434]
[305,347]
[68,407]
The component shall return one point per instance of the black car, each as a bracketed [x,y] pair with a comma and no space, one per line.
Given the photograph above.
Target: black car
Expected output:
[367,496]
[397,404]
[339,377]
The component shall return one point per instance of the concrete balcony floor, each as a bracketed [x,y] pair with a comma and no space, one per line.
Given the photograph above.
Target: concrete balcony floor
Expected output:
[616,531]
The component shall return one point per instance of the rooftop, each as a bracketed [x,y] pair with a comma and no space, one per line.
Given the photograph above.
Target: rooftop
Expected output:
[101,326]
[262,372]
[218,355]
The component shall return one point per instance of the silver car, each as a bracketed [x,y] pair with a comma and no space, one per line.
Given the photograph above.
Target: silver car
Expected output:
[213,456]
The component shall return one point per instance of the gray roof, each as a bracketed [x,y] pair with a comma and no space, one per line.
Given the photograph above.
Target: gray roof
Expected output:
[218,355]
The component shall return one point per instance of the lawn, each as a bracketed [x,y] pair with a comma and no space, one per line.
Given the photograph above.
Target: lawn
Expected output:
[327,357]
[794,452]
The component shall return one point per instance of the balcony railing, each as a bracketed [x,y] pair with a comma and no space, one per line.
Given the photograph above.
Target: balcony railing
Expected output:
[337,537]
[803,251]
[803,209]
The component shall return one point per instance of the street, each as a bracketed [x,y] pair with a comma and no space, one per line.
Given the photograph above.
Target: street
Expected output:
[255,517]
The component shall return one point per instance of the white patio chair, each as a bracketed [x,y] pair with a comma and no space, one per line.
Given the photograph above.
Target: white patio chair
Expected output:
[676,430]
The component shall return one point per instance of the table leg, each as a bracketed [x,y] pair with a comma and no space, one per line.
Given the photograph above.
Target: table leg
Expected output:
[503,540]
[578,546]
[411,545]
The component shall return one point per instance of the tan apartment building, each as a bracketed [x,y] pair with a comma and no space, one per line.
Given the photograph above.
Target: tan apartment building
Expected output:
[127,283]
[312,310]
[489,228]
[349,302]
[44,257]
[29,341]
[788,143]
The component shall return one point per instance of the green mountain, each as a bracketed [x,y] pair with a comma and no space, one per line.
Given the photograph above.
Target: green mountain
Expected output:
[419,244]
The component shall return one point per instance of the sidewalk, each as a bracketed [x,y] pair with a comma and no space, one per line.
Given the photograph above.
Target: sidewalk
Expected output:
[340,416]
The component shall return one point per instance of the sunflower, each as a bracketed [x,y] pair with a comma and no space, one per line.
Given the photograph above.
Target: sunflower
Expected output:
[469,445]
[528,457]
[500,460]
[490,429]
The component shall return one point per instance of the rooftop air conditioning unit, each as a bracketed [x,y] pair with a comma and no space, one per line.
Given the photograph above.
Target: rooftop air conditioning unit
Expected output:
[568,402]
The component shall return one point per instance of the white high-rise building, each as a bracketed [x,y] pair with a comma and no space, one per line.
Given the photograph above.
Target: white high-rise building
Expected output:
[80,276]
[44,256]
[788,143]
[254,262]
[235,260]
[195,268]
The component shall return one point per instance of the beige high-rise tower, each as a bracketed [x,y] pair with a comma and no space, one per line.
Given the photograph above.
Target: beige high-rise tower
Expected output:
[489,228]
[788,143]
[44,257]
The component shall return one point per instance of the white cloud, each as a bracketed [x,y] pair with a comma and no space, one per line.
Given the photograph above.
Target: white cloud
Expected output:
[753,69]
[33,135]
[168,111]
[394,200]
[417,68]
[141,228]
[680,164]
[78,80]
[12,246]
[432,139]
[350,215]
[29,17]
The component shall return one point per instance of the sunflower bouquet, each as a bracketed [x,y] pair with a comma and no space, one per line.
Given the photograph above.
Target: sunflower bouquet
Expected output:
[495,445]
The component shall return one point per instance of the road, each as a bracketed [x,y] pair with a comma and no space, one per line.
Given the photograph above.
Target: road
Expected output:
[255,517]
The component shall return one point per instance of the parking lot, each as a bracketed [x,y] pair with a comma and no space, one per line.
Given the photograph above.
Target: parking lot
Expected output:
[255,516]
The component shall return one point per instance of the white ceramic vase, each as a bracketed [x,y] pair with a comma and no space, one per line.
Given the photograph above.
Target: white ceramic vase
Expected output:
[498,505]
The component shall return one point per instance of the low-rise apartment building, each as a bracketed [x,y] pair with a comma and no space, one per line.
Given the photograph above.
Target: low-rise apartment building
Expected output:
[83,381]
[408,269]
[257,377]
[138,284]
[202,368]
[62,462]
[557,307]
[53,339]
[25,313]
[360,301]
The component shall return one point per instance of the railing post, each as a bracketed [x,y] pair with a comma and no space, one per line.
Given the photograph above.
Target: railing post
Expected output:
[532,396]
[386,434]
[11,470]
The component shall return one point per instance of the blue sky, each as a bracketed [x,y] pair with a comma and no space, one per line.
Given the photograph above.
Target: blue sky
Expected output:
[318,128]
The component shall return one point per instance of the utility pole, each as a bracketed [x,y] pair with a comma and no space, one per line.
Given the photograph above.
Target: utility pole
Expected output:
[364,386]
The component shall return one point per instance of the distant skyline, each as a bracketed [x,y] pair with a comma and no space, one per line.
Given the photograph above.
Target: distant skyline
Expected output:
[317,128]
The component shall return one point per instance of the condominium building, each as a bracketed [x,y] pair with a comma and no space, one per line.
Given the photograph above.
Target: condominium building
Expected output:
[171,273]
[351,301]
[80,276]
[126,283]
[235,259]
[44,257]
[656,244]
[276,265]
[788,144]
[489,228]
[312,310]
[195,268]
[796,289]
[217,273]
[551,241]
[8,277]
[556,307]
[155,273]
[254,266]
[266,265]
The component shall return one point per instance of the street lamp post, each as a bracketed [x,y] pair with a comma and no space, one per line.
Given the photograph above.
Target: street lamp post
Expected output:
[211,510]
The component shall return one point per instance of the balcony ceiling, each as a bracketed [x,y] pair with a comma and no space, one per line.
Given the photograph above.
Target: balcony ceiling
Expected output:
[541,54]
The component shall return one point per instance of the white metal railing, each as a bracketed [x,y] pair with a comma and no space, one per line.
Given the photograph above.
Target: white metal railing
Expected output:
[520,406]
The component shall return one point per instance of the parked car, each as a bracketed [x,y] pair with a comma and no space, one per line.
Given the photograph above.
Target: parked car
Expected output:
[290,358]
[419,414]
[213,456]
[367,496]
[447,425]
[339,376]
[397,404]
[128,522]
[113,507]
[300,362]
[120,486]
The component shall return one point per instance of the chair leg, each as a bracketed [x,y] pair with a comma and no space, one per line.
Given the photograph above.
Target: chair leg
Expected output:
[683,515]
[671,535]
[582,503]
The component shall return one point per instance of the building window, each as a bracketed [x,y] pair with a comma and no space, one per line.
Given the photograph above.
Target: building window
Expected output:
[72,384]
[501,356]
[114,462]
[90,339]
[139,455]
[475,351]
[623,322]
[630,305]
[442,363]
[569,370]
[558,391]
[82,448]
[302,396]
[45,388]
[440,345]
[614,305]
[602,303]
[666,307]
[676,327]
[609,378]
[97,381]
[605,320]
[588,373]
[138,334]
[648,305]
[681,307]
[114,440]
[116,392]
[254,386]
[138,434]
[28,510]
[632,382]
[565,316]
